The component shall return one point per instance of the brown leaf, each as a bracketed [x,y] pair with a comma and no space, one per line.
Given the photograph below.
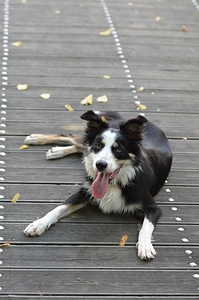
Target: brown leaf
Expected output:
[184,28]
[123,240]
[5,245]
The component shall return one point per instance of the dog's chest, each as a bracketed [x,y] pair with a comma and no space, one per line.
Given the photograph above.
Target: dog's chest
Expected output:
[114,202]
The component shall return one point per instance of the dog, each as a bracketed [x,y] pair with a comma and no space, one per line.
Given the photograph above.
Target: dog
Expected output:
[127,163]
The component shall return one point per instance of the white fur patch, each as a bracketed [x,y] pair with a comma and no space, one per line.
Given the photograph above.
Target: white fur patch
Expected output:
[144,245]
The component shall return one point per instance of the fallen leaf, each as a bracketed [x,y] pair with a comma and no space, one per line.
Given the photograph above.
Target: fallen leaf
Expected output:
[106,77]
[17,43]
[158,18]
[102,99]
[184,138]
[130,3]
[22,87]
[141,107]
[140,89]
[88,100]
[22,147]
[68,107]
[106,32]
[104,119]
[15,198]
[123,240]
[57,12]
[5,245]
[45,96]
[184,28]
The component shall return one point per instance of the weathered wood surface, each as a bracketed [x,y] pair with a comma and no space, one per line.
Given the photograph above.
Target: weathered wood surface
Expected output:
[62,53]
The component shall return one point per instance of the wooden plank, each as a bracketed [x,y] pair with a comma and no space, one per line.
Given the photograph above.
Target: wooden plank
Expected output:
[51,122]
[70,175]
[97,257]
[66,297]
[56,193]
[90,282]
[28,157]
[12,213]
[105,234]
[177,145]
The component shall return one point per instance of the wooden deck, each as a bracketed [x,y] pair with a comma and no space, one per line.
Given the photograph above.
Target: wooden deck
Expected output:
[154,45]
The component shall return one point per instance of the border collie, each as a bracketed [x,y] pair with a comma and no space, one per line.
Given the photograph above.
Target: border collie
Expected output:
[127,163]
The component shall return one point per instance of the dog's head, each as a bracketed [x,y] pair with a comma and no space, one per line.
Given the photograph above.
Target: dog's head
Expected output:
[113,151]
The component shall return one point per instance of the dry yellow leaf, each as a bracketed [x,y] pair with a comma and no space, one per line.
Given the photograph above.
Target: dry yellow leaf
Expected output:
[123,240]
[104,119]
[22,147]
[106,77]
[5,245]
[17,43]
[22,87]
[15,198]
[57,12]
[106,32]
[102,99]
[141,107]
[158,18]
[184,138]
[130,3]
[88,100]
[140,89]
[68,107]
[45,96]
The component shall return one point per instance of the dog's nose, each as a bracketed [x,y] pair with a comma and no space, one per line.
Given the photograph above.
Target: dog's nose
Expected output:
[101,165]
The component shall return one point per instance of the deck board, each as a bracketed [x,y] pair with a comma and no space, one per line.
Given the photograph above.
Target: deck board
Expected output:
[62,53]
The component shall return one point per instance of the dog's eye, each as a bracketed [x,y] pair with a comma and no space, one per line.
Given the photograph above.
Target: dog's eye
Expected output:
[119,150]
[98,146]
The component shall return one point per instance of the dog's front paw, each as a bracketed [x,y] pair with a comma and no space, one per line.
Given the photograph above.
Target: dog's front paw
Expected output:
[34,139]
[55,152]
[36,228]
[146,250]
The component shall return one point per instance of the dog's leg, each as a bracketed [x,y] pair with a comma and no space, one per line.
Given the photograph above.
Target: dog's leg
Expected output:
[73,203]
[144,245]
[44,139]
[58,152]
[75,142]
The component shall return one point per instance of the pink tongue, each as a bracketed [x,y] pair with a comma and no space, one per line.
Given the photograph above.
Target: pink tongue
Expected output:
[100,185]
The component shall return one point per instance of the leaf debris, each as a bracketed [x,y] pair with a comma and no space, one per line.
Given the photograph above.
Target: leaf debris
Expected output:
[17,43]
[68,107]
[123,240]
[22,86]
[15,198]
[45,95]
[22,147]
[106,32]
[88,100]
[102,99]
[5,245]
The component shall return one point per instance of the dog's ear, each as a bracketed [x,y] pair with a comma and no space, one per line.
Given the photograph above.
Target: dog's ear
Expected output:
[96,124]
[134,127]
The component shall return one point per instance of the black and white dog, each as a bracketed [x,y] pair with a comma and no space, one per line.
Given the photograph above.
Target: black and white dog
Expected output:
[126,162]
